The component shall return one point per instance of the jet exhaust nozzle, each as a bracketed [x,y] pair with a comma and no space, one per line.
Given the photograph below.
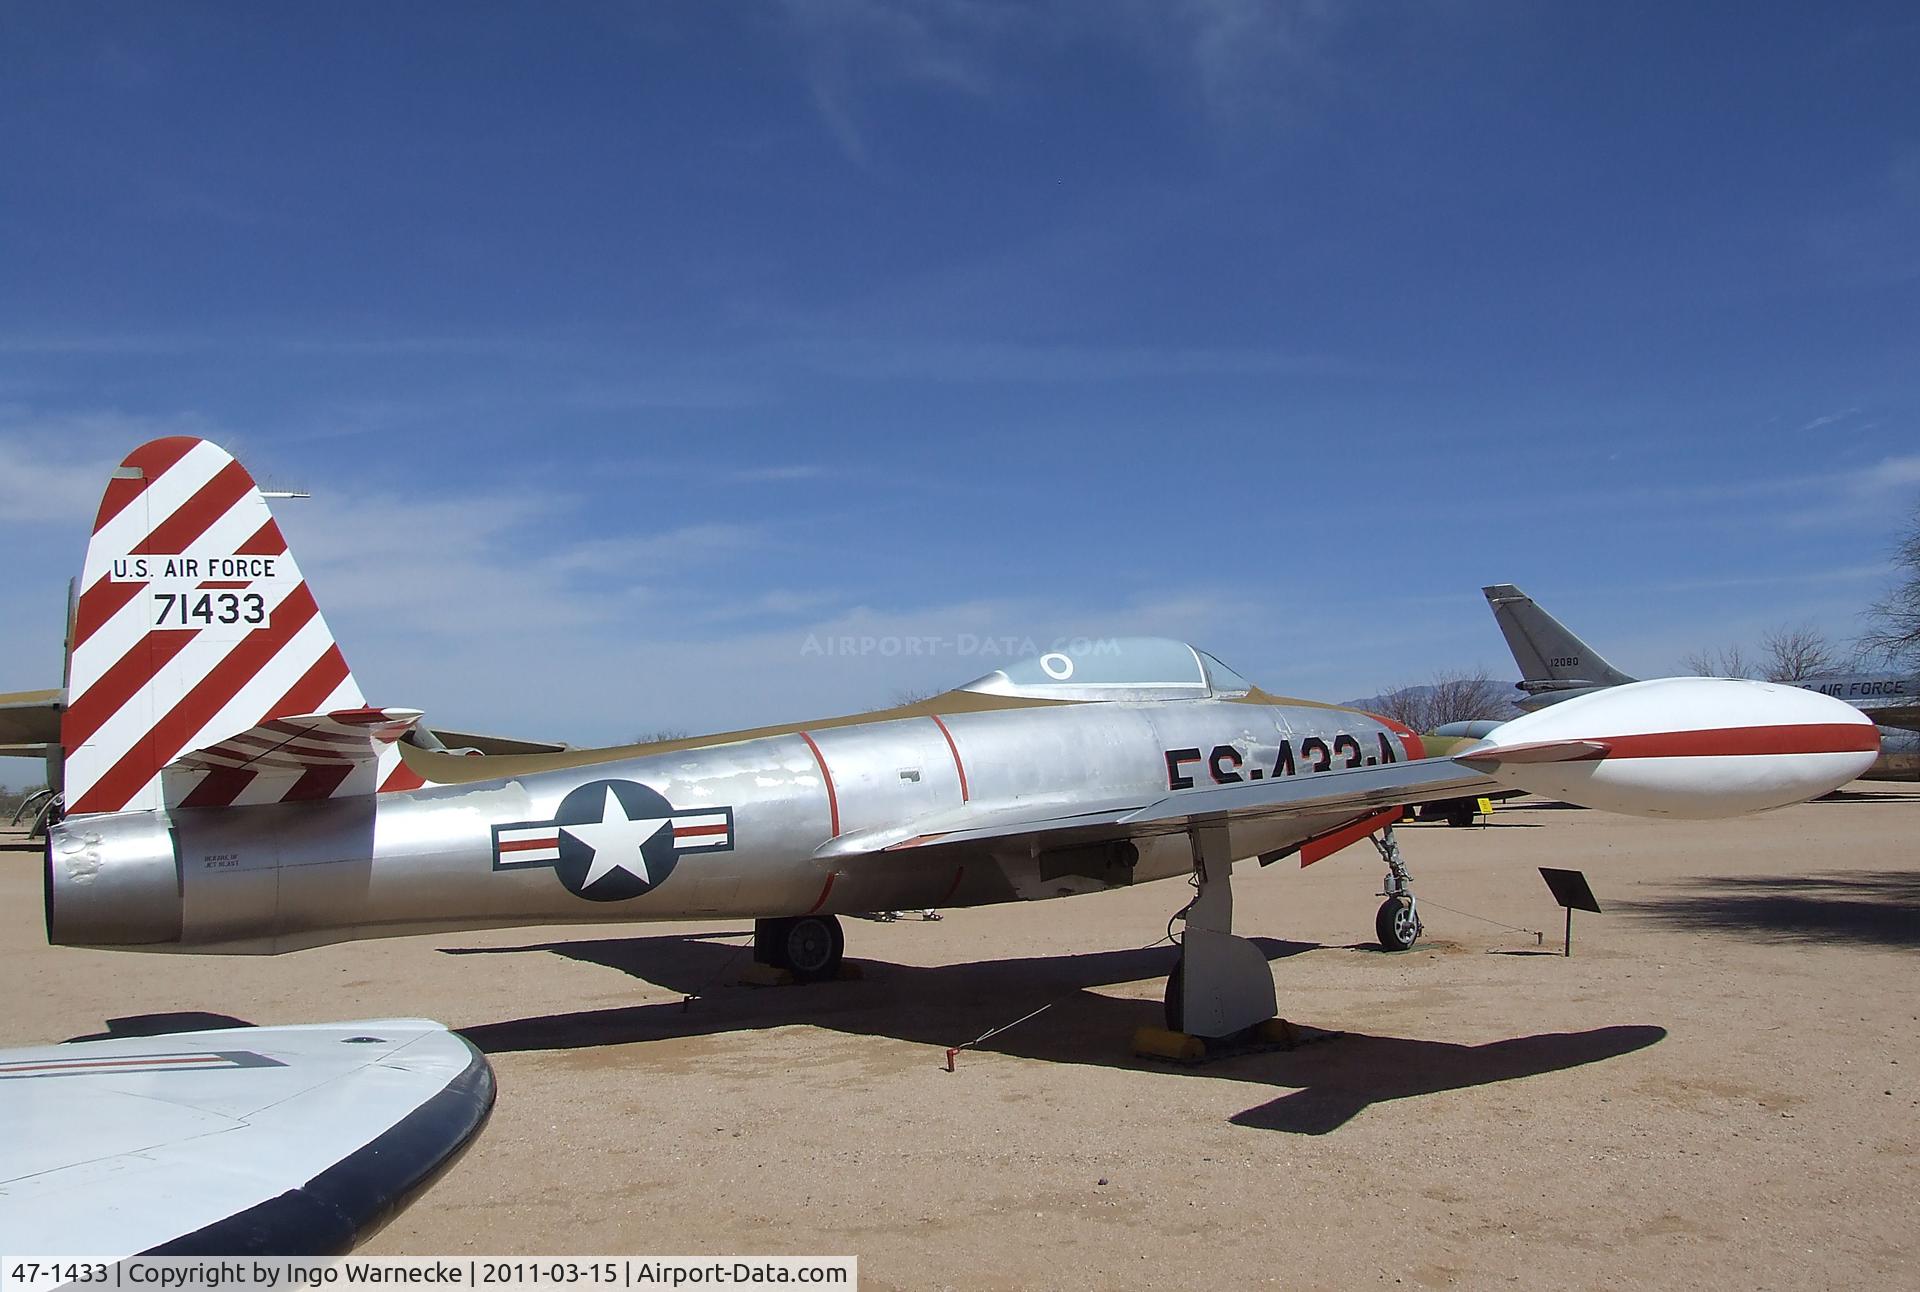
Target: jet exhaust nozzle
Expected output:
[112,880]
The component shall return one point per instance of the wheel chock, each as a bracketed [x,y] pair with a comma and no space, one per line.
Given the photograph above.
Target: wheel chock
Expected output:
[1262,1038]
[850,972]
[1159,1043]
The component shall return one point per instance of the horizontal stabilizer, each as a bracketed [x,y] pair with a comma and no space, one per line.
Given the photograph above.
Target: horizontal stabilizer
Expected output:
[299,757]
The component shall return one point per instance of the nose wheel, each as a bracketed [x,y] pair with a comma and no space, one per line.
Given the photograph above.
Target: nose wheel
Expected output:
[1397,922]
[809,946]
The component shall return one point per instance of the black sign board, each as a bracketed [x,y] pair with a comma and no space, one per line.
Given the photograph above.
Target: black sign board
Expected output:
[1570,890]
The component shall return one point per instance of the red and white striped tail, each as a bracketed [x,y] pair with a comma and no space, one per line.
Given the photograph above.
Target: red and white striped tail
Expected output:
[193,625]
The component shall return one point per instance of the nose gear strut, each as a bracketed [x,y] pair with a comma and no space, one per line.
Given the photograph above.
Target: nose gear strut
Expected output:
[1397,923]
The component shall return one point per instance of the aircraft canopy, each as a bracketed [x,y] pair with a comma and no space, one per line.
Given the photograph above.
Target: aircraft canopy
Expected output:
[1115,668]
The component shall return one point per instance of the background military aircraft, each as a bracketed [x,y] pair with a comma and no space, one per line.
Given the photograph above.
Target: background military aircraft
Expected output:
[229,788]
[1556,665]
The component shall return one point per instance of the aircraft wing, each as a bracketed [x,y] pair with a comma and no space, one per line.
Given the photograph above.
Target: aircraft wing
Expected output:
[495,745]
[29,721]
[1318,797]
[1695,748]
[241,1141]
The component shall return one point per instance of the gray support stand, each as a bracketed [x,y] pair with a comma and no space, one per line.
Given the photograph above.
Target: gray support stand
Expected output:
[1226,983]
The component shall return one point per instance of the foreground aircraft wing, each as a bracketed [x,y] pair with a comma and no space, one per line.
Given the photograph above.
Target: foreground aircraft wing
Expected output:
[242,1141]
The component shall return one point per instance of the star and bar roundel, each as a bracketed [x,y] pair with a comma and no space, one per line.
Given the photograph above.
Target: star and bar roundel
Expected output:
[612,840]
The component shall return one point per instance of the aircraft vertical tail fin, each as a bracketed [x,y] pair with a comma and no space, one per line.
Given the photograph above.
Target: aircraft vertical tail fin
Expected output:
[193,626]
[1549,655]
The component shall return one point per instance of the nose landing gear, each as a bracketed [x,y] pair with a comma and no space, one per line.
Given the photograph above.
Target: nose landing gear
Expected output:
[1397,923]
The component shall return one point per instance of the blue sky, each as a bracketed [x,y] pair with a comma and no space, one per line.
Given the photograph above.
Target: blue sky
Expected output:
[627,349]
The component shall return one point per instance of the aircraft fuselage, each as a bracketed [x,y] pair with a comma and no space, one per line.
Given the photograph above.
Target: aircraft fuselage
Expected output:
[806,821]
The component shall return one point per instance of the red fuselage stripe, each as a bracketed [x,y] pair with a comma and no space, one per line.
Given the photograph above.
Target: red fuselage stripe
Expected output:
[824,890]
[958,766]
[1724,742]
[833,799]
[528,845]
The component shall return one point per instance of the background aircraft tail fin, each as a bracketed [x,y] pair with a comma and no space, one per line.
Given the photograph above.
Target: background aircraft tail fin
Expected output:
[193,625]
[1544,648]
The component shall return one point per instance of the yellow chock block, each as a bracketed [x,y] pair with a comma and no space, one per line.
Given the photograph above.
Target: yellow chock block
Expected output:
[1159,1043]
[1278,1031]
[759,975]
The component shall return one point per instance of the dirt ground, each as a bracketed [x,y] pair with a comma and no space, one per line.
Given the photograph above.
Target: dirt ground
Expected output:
[1717,1090]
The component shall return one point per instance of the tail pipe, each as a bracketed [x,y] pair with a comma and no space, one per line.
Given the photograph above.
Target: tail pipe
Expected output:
[113,881]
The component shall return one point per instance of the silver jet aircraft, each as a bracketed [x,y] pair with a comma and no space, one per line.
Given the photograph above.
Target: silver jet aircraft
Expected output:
[229,789]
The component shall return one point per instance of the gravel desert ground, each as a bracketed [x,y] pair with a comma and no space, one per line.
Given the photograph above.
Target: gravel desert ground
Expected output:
[1716,1090]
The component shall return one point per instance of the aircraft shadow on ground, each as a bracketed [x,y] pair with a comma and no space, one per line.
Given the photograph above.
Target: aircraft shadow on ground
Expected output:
[1869,907]
[1330,1081]
[186,1020]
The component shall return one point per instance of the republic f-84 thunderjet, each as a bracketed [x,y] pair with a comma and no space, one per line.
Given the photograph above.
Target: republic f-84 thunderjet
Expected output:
[229,789]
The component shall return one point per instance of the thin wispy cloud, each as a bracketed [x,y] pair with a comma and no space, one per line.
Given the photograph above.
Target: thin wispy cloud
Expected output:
[854,48]
[781,474]
[1246,62]
[961,361]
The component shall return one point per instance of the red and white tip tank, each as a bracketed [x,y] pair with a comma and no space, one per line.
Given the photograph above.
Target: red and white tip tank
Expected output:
[1693,747]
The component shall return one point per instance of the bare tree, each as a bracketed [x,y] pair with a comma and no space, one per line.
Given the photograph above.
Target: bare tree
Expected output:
[1406,705]
[1894,620]
[1461,695]
[1730,662]
[1796,653]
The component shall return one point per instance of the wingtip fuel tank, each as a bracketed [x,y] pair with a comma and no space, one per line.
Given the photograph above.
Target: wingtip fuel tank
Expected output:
[1691,747]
